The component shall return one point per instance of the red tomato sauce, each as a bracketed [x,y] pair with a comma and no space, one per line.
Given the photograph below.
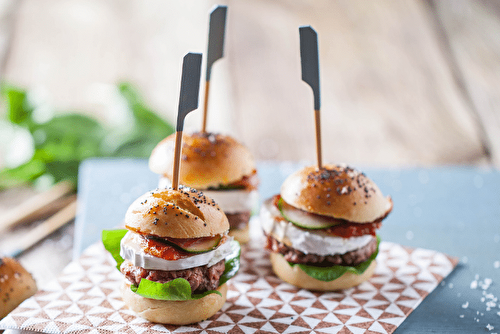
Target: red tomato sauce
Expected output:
[168,252]
[162,250]
[347,230]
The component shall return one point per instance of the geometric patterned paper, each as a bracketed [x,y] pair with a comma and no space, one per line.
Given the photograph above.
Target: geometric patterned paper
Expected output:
[85,299]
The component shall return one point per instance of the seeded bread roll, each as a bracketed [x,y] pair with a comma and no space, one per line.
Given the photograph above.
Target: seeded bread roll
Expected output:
[183,312]
[186,213]
[208,160]
[336,191]
[16,285]
[296,276]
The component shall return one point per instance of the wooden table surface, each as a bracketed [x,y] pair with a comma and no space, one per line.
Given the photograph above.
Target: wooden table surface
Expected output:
[404,83]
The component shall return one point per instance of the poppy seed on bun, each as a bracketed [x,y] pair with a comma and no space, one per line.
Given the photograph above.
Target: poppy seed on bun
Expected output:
[321,230]
[162,225]
[183,213]
[336,191]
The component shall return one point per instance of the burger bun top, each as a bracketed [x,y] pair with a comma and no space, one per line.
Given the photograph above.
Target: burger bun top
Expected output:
[336,191]
[183,213]
[207,160]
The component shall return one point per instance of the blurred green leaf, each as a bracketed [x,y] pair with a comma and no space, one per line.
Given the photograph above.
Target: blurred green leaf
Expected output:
[64,141]
[70,137]
[64,170]
[28,172]
[149,129]
[18,108]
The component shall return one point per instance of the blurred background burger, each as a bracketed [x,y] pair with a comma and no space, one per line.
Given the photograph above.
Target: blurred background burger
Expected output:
[219,166]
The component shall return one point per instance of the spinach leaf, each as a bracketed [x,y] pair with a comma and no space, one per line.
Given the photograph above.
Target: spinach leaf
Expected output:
[328,274]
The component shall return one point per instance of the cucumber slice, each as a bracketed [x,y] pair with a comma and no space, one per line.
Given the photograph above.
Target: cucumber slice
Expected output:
[197,245]
[305,219]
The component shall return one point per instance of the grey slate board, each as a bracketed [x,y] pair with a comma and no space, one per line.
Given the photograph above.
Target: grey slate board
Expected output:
[454,210]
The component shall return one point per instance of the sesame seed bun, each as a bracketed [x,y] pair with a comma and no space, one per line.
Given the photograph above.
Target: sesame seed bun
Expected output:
[208,160]
[16,285]
[336,191]
[182,312]
[296,276]
[183,213]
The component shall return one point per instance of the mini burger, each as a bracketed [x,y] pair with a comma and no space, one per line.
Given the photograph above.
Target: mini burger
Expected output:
[175,256]
[218,165]
[16,285]
[321,229]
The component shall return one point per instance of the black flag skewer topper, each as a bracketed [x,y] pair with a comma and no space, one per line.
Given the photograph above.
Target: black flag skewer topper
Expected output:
[215,50]
[310,74]
[188,101]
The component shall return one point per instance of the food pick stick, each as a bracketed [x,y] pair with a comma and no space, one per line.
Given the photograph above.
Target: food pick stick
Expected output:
[31,208]
[310,74]
[215,50]
[43,230]
[188,101]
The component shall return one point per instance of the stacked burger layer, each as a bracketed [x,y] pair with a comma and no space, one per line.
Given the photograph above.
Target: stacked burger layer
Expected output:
[175,255]
[218,165]
[321,229]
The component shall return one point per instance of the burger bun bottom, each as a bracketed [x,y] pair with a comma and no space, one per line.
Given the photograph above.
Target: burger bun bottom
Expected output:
[296,276]
[16,285]
[182,312]
[240,235]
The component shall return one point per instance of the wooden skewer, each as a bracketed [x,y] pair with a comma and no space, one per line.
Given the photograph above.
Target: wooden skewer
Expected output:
[43,230]
[310,74]
[188,101]
[35,206]
[205,107]
[318,138]
[177,158]
[215,50]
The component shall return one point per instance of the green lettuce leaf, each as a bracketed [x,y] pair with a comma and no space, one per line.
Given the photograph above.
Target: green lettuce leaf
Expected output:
[111,240]
[232,263]
[177,289]
[328,274]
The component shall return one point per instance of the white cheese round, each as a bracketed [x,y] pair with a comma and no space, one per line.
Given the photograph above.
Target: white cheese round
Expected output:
[234,201]
[230,201]
[307,241]
[131,251]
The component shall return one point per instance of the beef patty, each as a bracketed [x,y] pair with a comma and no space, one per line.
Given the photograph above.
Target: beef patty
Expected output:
[293,255]
[238,220]
[201,279]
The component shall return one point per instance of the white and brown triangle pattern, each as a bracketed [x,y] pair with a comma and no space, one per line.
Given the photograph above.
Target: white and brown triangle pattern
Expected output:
[85,298]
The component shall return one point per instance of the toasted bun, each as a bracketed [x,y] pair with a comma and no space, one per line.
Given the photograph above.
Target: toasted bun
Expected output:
[296,276]
[183,213]
[336,191]
[16,285]
[208,160]
[241,235]
[174,312]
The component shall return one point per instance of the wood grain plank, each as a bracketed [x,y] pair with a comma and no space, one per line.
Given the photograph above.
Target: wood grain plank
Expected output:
[8,9]
[73,52]
[472,29]
[388,95]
